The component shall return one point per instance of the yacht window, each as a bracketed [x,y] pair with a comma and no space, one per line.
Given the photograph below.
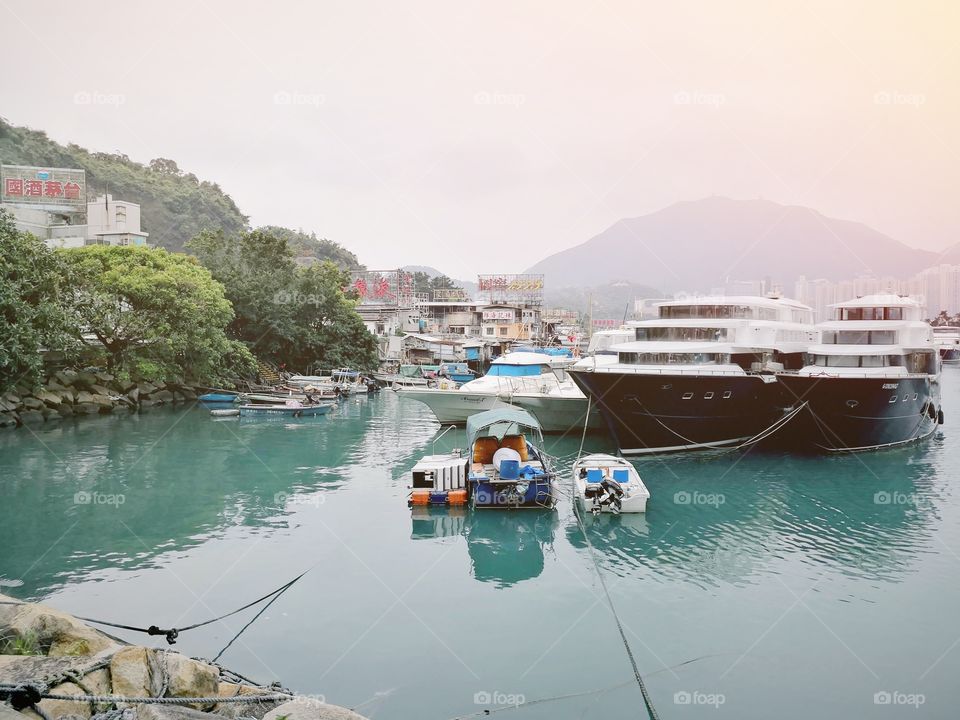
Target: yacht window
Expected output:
[914,396]
[708,396]
[727,394]
[871,361]
[905,398]
[883,337]
[687,396]
[852,403]
[894,313]
[893,399]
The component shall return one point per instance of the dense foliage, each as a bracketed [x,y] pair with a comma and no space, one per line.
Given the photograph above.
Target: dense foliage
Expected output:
[32,302]
[303,245]
[174,205]
[424,283]
[293,315]
[159,314]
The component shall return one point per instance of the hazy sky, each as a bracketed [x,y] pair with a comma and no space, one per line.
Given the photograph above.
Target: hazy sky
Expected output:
[480,137]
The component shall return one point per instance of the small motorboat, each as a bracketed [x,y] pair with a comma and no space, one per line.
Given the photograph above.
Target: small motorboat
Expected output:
[507,469]
[218,397]
[225,412]
[291,408]
[605,483]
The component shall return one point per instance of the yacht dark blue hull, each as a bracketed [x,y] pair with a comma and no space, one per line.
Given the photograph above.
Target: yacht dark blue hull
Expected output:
[650,413]
[845,414]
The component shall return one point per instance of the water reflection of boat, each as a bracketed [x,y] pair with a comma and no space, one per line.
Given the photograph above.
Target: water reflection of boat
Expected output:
[504,548]
[873,524]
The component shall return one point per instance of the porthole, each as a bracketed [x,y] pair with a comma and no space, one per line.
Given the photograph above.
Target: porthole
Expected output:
[914,396]
[893,399]
[708,396]
[852,403]
[687,396]
[727,394]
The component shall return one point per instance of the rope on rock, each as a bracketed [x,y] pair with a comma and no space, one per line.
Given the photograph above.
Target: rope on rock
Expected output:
[27,695]
[172,634]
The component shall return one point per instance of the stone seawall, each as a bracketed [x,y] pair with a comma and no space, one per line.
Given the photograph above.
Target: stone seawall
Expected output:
[68,393]
[53,653]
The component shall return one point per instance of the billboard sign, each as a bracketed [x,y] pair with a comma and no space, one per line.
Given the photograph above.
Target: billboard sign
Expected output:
[499,315]
[512,288]
[384,288]
[50,188]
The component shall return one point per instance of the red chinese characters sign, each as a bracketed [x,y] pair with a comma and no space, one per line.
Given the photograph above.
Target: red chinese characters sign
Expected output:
[379,287]
[58,188]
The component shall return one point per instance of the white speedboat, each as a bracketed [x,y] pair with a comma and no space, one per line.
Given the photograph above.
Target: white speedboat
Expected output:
[605,483]
[513,373]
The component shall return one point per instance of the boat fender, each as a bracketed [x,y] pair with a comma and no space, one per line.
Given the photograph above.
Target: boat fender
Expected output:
[932,411]
[940,416]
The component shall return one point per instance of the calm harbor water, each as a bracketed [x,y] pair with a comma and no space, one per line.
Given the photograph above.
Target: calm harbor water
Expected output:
[798,586]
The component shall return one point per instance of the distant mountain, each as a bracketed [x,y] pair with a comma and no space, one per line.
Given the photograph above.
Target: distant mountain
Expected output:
[701,244]
[174,205]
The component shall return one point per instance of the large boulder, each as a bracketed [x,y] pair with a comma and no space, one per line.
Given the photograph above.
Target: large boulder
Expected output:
[65,410]
[103,402]
[32,403]
[84,396]
[303,708]
[187,394]
[146,388]
[85,379]
[86,408]
[8,420]
[31,417]
[50,398]
[97,389]
[164,396]
[125,386]
[66,377]
[12,398]
[104,378]
[97,683]
[135,673]
[190,678]
[168,712]
[55,632]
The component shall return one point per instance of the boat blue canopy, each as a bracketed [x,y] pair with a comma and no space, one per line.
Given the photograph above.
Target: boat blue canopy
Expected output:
[479,422]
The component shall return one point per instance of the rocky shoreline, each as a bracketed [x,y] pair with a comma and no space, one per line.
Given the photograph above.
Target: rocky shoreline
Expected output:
[46,652]
[70,393]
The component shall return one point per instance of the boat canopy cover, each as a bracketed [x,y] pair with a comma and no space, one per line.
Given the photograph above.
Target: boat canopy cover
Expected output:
[479,422]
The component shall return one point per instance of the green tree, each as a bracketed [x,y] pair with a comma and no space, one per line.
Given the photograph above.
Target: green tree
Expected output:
[332,333]
[257,271]
[32,294]
[159,313]
[294,315]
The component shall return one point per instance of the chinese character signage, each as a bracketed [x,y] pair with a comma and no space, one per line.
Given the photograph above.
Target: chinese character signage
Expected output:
[379,287]
[499,315]
[57,188]
[512,288]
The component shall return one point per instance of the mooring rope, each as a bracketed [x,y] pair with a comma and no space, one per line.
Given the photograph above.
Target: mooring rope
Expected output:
[172,633]
[647,700]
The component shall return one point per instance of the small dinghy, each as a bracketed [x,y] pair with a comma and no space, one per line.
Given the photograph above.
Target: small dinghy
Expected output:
[440,480]
[231,412]
[292,408]
[218,397]
[604,483]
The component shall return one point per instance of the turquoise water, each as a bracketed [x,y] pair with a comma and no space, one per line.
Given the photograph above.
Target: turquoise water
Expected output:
[799,586]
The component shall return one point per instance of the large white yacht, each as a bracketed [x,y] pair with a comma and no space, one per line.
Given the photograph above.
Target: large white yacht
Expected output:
[515,372]
[701,375]
[873,381]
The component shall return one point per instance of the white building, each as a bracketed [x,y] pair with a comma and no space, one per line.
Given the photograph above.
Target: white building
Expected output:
[114,222]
